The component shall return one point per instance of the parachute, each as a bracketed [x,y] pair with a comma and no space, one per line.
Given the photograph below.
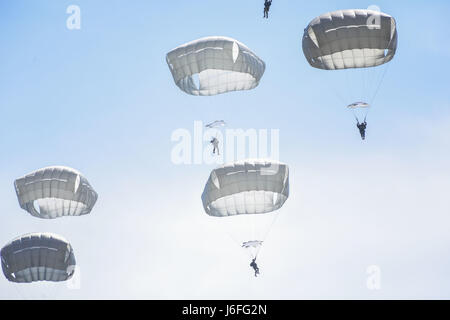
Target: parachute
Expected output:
[54,192]
[216,124]
[350,39]
[38,257]
[360,110]
[358,105]
[354,44]
[252,244]
[245,194]
[246,187]
[214,65]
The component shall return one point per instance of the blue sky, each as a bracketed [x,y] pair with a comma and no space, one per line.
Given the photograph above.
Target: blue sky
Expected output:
[102,100]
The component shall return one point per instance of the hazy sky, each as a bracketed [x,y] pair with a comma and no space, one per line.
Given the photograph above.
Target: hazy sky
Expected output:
[102,100]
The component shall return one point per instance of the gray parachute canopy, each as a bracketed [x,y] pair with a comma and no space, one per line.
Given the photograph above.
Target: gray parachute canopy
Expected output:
[221,64]
[216,124]
[252,244]
[358,105]
[54,192]
[246,187]
[38,257]
[350,39]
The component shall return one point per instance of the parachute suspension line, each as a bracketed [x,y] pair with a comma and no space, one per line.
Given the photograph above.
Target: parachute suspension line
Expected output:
[365,84]
[366,76]
[341,98]
[340,94]
[254,253]
[254,235]
[266,234]
[367,113]
[275,218]
[253,225]
[239,244]
[367,110]
[270,226]
[375,77]
[349,79]
[379,84]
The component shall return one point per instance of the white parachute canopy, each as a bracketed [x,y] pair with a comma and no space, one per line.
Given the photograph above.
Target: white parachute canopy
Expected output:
[216,124]
[54,192]
[358,105]
[246,187]
[38,257]
[346,39]
[252,244]
[356,43]
[360,110]
[245,195]
[214,65]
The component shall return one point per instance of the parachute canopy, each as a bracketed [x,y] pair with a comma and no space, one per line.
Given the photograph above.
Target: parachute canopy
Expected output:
[216,124]
[54,192]
[350,39]
[252,244]
[214,65]
[38,257]
[358,105]
[246,187]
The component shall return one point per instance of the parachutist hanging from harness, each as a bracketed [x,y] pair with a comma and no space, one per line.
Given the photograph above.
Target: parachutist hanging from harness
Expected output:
[360,110]
[215,143]
[327,48]
[255,267]
[362,128]
[267,4]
